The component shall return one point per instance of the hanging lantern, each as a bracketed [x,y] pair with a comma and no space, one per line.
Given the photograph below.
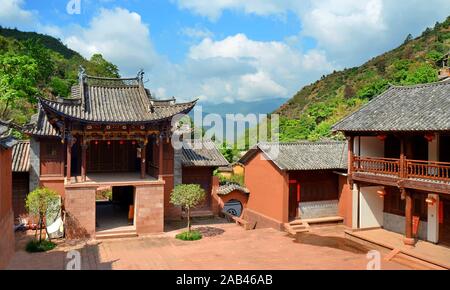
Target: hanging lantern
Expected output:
[121,142]
[382,137]
[96,142]
[381,193]
[134,142]
[430,200]
[429,137]
[109,142]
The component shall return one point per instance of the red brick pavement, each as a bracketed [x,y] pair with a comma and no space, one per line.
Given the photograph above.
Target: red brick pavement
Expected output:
[225,246]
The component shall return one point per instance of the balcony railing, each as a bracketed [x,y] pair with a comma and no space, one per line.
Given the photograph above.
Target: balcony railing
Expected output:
[421,169]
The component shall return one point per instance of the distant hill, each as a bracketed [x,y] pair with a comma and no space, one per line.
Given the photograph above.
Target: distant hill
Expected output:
[311,112]
[46,40]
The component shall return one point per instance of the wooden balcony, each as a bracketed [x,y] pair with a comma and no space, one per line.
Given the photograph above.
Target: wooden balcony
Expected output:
[419,174]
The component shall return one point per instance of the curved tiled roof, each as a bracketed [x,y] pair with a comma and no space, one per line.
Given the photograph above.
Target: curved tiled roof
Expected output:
[423,107]
[230,187]
[100,100]
[21,157]
[202,153]
[40,126]
[303,155]
[6,140]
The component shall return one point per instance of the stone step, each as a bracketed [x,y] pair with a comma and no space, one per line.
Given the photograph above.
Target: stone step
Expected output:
[296,229]
[324,220]
[111,234]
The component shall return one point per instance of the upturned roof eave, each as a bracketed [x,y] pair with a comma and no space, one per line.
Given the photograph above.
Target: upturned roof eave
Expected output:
[44,102]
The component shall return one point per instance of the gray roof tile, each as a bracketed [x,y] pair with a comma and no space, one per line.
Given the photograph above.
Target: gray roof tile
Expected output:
[303,155]
[114,101]
[423,107]
[21,157]
[203,153]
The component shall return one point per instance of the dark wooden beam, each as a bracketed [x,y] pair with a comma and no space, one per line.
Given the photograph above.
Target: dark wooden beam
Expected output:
[402,157]
[143,159]
[84,147]
[161,157]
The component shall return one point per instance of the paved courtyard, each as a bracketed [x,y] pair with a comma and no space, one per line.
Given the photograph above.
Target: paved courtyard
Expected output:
[224,246]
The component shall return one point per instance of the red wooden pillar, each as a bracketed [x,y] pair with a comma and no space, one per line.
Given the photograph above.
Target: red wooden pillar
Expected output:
[409,239]
[350,155]
[402,158]
[69,161]
[143,160]
[161,158]
[83,161]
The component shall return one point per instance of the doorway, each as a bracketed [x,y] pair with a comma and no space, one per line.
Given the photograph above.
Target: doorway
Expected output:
[294,199]
[115,208]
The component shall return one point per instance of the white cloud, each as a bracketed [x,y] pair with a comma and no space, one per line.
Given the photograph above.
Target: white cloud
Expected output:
[13,15]
[347,31]
[213,9]
[119,35]
[196,32]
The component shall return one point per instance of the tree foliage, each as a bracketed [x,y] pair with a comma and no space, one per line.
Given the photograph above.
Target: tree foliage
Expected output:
[187,196]
[312,111]
[38,203]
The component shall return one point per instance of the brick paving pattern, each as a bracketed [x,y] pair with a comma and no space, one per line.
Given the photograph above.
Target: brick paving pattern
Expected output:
[224,246]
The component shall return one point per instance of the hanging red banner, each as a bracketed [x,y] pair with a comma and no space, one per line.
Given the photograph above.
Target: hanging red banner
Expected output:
[441,212]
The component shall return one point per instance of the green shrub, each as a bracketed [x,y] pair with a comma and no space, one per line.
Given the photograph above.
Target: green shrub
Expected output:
[235,178]
[34,246]
[189,236]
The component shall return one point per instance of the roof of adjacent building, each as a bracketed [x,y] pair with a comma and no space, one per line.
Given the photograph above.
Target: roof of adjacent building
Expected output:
[230,187]
[40,126]
[6,139]
[423,107]
[302,155]
[21,157]
[108,100]
[202,153]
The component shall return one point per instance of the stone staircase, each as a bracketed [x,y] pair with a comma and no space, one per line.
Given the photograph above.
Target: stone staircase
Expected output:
[296,227]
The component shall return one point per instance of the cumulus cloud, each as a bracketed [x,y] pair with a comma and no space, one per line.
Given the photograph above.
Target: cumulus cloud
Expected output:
[118,34]
[196,32]
[13,15]
[348,31]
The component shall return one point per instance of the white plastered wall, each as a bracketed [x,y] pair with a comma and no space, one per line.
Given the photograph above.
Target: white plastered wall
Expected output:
[371,206]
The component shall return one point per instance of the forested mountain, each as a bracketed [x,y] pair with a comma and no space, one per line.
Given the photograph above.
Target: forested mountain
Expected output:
[311,112]
[33,64]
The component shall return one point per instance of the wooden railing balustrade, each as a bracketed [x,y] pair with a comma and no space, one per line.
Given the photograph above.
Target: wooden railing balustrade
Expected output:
[421,169]
[388,166]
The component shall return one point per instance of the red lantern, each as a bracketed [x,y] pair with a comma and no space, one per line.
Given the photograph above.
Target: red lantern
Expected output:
[96,142]
[134,142]
[381,193]
[109,143]
[382,137]
[429,137]
[430,200]
[121,142]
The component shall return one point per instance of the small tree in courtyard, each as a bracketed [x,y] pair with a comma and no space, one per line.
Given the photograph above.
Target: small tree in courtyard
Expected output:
[37,204]
[187,196]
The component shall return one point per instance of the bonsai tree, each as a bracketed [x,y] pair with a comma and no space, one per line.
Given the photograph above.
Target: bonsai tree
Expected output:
[37,204]
[187,196]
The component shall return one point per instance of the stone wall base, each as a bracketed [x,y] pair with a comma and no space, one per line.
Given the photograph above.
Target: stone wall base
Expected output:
[261,220]
[6,239]
[149,205]
[79,204]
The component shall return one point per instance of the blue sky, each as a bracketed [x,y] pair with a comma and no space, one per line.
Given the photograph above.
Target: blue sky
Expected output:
[228,51]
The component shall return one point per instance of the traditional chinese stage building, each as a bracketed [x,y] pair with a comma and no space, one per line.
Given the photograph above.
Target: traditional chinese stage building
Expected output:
[109,133]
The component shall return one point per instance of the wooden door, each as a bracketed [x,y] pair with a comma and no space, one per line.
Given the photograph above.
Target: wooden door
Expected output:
[294,193]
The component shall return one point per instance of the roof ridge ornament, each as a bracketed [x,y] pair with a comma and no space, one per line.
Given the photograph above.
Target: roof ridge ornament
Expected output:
[140,76]
[81,73]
